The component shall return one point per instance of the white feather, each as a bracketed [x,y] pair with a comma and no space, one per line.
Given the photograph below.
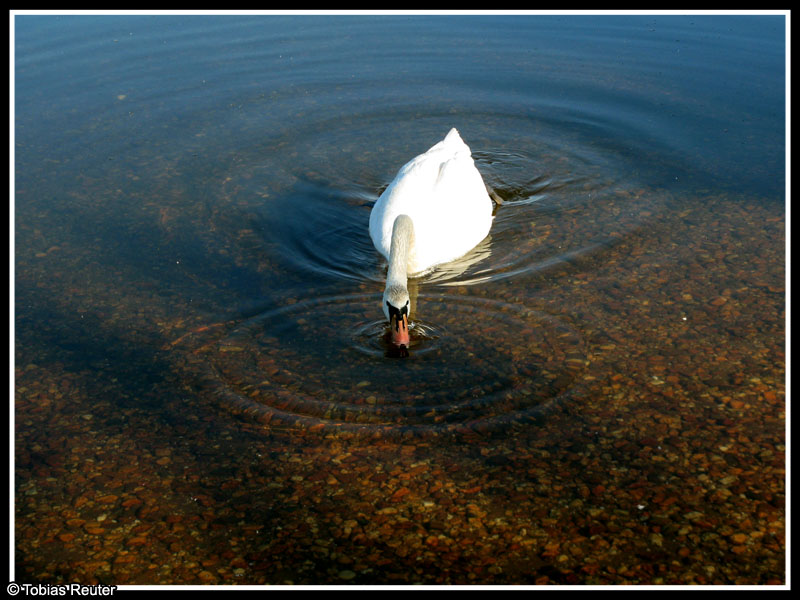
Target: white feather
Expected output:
[445,196]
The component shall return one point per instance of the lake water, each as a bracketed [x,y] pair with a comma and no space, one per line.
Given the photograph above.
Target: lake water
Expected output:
[204,394]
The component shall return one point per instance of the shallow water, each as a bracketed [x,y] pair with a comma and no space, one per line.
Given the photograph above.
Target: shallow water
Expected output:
[204,391]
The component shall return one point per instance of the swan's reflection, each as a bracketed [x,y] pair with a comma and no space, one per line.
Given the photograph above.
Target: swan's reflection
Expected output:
[458,267]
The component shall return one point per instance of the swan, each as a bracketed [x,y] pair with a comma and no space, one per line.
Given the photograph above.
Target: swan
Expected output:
[435,210]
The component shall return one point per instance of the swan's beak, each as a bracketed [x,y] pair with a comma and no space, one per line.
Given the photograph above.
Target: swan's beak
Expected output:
[398,323]
[399,326]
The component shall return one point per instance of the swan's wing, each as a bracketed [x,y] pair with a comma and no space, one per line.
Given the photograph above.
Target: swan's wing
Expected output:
[459,186]
[444,194]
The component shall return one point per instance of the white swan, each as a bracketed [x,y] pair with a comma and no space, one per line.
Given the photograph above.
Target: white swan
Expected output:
[435,210]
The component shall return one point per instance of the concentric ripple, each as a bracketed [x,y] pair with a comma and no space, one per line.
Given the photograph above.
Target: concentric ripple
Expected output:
[324,361]
[325,364]
[559,203]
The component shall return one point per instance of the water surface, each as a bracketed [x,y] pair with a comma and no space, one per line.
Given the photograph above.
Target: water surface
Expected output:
[204,393]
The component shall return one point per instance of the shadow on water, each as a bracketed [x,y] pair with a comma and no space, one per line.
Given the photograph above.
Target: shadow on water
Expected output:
[83,342]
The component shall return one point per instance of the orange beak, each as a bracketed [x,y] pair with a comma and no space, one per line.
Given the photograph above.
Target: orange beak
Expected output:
[399,326]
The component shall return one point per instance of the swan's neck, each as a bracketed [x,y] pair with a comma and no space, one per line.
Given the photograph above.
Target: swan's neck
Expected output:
[400,251]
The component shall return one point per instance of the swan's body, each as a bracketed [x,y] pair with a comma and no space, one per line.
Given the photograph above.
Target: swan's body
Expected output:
[435,210]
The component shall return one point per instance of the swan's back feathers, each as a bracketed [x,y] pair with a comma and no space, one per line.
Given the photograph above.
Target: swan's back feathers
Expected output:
[445,196]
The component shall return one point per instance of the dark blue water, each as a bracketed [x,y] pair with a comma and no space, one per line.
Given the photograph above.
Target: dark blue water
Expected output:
[258,104]
[192,194]
[702,94]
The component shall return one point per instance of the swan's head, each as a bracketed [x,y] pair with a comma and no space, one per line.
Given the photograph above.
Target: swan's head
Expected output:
[397,308]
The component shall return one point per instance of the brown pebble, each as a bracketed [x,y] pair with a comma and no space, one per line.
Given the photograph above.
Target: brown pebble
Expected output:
[137,541]
[400,493]
[125,558]
[207,576]
[739,538]
[141,528]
